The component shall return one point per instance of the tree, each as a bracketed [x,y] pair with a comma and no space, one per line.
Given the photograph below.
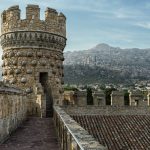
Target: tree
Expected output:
[89,96]
[108,95]
[126,98]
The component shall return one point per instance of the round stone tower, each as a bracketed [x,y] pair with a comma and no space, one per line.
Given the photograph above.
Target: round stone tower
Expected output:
[33,55]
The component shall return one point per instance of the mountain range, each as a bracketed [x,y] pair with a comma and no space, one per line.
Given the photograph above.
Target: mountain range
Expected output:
[107,64]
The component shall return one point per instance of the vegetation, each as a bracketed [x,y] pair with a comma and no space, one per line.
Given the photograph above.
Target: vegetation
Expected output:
[126,98]
[70,88]
[89,96]
[108,95]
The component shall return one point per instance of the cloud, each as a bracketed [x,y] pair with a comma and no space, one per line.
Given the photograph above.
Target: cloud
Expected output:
[145,25]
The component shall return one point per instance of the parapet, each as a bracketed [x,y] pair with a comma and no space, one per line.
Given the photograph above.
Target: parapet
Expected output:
[117,93]
[136,93]
[32,12]
[99,93]
[54,22]
[81,93]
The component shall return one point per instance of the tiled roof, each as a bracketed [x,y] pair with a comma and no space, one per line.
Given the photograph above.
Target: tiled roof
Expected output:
[118,132]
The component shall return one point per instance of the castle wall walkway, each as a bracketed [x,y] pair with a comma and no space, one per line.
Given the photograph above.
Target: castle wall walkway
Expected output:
[35,133]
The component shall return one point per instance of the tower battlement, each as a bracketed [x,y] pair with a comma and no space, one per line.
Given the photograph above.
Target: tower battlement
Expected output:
[54,22]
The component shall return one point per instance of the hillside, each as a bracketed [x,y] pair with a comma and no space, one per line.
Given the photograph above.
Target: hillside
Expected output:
[107,64]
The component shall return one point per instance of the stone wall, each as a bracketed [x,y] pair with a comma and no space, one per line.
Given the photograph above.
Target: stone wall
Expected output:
[99,98]
[54,22]
[69,97]
[108,110]
[13,110]
[117,98]
[32,47]
[80,98]
[71,135]
[136,98]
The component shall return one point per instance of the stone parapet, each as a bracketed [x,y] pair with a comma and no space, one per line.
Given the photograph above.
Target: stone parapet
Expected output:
[54,22]
[107,110]
[117,98]
[72,135]
[137,99]
[81,98]
[117,93]
[99,98]
[13,110]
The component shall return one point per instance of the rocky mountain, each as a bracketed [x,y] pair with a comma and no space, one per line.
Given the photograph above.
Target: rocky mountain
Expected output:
[107,64]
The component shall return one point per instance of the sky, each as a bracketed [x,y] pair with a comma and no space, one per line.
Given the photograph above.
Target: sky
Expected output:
[119,23]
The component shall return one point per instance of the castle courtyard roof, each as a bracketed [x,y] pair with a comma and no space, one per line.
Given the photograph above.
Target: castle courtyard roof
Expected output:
[118,132]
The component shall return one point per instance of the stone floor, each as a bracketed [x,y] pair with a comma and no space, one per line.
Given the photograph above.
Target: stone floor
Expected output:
[34,134]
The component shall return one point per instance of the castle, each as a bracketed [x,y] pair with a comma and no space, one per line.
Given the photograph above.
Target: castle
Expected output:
[33,55]
[32,86]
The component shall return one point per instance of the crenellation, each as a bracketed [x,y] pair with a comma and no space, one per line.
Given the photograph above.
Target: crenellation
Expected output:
[32,12]
[51,15]
[53,23]
[117,98]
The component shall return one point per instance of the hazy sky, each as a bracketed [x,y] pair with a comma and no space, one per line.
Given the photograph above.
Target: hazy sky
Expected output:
[123,23]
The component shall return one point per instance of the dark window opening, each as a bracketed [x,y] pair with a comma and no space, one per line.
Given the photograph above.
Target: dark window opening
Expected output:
[47,91]
[136,102]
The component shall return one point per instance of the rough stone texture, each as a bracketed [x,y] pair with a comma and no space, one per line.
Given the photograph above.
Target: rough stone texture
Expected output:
[32,46]
[54,22]
[34,134]
[117,98]
[72,135]
[81,98]
[69,97]
[13,110]
[99,98]
[108,110]
[136,98]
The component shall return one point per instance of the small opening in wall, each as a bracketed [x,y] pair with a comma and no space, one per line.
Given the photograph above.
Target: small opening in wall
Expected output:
[136,102]
[43,79]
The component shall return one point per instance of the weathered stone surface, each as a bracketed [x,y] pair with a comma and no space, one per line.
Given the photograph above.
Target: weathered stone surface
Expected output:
[78,138]
[108,110]
[35,134]
[13,110]
[117,98]
[30,47]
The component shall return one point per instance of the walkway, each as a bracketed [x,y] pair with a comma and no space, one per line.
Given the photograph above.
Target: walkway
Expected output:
[34,134]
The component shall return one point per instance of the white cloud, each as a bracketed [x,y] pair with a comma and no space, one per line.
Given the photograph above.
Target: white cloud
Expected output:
[145,25]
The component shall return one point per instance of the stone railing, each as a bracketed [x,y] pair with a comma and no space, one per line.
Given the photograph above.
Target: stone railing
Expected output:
[13,109]
[71,135]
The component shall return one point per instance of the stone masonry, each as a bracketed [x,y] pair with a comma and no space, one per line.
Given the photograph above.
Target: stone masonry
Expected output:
[13,110]
[99,98]
[117,98]
[33,49]
[137,99]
